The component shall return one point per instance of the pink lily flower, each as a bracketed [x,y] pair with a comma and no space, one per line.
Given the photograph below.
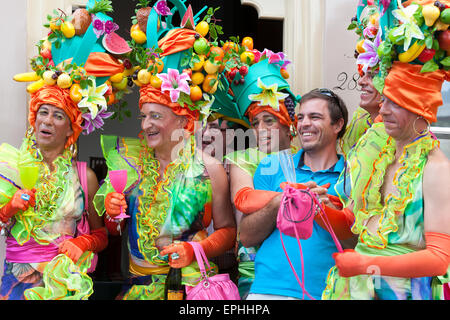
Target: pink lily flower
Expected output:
[174,82]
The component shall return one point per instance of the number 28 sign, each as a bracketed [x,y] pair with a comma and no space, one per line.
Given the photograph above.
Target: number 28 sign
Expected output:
[347,83]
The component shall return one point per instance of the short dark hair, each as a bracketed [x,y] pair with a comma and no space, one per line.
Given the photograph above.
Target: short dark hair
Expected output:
[336,106]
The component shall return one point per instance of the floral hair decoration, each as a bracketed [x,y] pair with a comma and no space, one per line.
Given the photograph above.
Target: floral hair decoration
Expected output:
[85,61]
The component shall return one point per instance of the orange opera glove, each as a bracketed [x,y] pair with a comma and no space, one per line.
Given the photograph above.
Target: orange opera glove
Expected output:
[249,200]
[17,203]
[216,244]
[432,261]
[340,220]
[95,242]
[113,202]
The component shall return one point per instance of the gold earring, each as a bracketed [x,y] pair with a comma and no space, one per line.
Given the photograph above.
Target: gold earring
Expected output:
[30,132]
[426,130]
[74,150]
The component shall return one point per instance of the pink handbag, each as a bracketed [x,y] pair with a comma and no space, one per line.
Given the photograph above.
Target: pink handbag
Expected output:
[296,218]
[218,287]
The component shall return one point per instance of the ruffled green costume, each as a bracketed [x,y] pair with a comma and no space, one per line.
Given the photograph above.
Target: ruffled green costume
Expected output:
[360,123]
[401,225]
[58,195]
[161,210]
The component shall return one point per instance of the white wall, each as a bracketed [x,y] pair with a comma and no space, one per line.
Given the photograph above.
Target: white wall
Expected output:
[13,105]
[339,47]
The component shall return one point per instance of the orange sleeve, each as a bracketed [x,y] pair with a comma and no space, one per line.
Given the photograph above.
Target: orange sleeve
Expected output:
[248,200]
[340,220]
[432,261]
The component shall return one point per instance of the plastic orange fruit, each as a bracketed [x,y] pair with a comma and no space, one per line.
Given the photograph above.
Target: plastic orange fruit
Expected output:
[218,53]
[75,93]
[230,46]
[135,27]
[284,73]
[199,65]
[248,43]
[210,83]
[110,98]
[54,26]
[144,76]
[155,82]
[197,78]
[247,54]
[196,93]
[210,67]
[138,36]
[202,28]
[159,65]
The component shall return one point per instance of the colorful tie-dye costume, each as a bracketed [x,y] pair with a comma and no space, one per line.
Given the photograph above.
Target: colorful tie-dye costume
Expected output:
[360,123]
[401,218]
[33,269]
[177,207]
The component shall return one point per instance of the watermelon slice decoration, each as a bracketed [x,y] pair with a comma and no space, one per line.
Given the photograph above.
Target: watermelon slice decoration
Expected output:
[115,44]
[188,19]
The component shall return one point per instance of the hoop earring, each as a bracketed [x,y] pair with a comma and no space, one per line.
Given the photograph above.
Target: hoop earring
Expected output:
[30,132]
[426,130]
[74,150]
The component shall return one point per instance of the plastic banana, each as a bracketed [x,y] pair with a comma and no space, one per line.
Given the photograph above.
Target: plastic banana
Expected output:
[26,77]
[35,86]
[412,53]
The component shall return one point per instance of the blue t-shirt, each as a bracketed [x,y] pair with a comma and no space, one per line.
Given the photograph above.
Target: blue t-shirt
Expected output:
[273,275]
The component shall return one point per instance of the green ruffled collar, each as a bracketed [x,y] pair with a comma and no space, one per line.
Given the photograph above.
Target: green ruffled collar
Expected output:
[49,187]
[370,180]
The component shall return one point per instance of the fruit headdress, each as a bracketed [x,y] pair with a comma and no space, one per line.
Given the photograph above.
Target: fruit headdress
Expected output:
[77,67]
[176,66]
[412,52]
[255,81]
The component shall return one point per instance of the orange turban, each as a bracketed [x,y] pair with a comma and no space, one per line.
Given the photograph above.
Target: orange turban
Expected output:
[149,94]
[60,98]
[417,92]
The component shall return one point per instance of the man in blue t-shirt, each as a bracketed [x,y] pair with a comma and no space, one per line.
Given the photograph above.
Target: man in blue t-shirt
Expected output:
[321,121]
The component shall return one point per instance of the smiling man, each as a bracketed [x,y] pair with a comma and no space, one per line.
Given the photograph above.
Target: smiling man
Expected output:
[321,121]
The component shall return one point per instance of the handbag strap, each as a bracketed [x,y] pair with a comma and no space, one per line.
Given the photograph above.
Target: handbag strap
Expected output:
[284,203]
[81,166]
[327,223]
[201,258]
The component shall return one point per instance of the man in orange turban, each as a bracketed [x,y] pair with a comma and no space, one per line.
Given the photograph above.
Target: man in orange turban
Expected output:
[404,239]
[60,98]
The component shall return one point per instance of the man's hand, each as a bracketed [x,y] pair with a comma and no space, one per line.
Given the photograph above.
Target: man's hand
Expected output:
[114,202]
